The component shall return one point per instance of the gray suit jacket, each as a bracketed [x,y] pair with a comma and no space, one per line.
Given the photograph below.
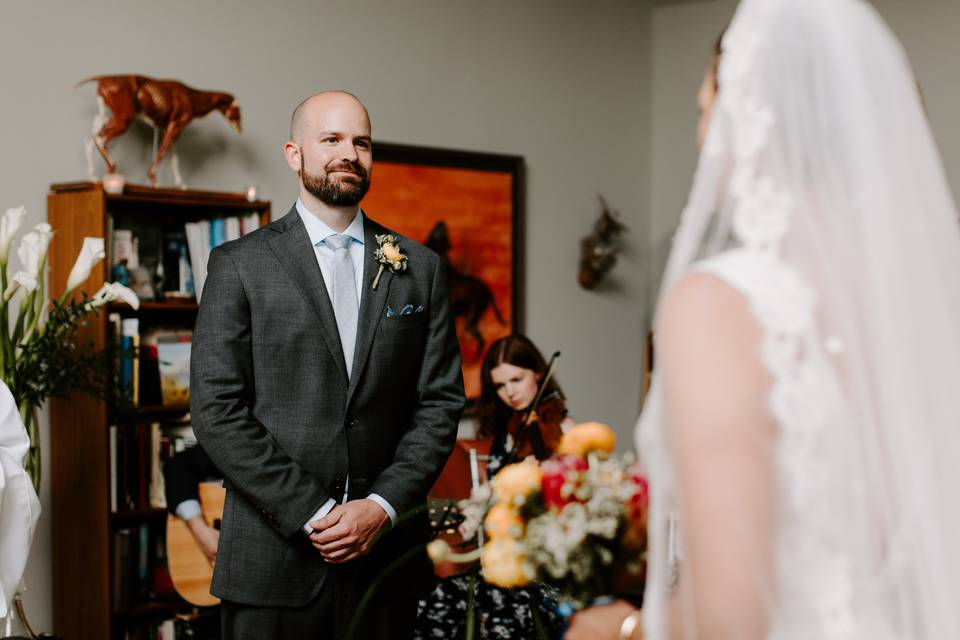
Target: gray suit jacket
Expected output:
[272,405]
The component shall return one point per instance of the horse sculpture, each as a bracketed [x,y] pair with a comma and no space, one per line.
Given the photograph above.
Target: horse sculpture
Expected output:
[470,297]
[167,105]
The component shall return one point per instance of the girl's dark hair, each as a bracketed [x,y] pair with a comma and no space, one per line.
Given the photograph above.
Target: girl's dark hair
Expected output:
[519,351]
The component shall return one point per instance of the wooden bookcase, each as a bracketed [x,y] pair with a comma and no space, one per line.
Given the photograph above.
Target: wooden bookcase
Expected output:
[83,525]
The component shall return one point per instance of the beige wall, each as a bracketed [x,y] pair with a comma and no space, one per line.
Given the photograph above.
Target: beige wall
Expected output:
[562,83]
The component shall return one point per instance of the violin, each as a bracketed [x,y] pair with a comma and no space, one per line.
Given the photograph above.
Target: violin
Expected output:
[539,434]
[536,430]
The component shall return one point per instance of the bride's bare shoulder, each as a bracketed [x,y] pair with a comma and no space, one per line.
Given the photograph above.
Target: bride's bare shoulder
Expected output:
[703,310]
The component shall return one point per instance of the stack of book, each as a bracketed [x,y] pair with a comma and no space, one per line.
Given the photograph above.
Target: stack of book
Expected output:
[153,366]
[170,263]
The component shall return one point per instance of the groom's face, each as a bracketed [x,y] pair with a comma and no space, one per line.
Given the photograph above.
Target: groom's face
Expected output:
[335,151]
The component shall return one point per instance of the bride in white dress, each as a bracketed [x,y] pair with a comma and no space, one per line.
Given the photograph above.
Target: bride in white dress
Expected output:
[802,434]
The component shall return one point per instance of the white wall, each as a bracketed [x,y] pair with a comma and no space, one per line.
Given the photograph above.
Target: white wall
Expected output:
[562,83]
[683,36]
[682,40]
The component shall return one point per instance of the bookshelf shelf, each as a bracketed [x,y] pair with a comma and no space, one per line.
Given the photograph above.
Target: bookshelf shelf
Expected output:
[150,411]
[137,514]
[152,609]
[89,587]
[154,307]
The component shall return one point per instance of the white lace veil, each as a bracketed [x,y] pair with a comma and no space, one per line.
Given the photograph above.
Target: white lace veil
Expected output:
[819,153]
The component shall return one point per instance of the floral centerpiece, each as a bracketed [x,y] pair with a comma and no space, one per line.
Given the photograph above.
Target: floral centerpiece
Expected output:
[576,521]
[39,355]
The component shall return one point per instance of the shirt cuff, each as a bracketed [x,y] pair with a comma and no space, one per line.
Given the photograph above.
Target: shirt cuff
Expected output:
[321,512]
[188,509]
[386,507]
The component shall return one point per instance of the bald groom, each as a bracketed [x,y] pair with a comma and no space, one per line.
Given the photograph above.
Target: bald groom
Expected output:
[328,418]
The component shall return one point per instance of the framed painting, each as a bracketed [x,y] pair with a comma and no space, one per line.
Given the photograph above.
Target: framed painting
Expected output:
[466,206]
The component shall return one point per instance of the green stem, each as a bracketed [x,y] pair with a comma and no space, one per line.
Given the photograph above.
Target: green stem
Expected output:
[471,604]
[5,333]
[368,596]
[29,416]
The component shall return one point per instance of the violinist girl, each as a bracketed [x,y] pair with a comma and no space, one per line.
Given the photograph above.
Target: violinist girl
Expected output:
[512,374]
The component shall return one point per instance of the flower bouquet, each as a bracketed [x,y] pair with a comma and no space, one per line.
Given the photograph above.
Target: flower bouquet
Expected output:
[576,521]
[39,355]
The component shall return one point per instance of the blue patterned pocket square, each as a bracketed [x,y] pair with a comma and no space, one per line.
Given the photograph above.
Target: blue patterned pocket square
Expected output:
[405,310]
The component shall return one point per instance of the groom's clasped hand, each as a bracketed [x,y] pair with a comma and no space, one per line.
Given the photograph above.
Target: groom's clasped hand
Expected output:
[349,530]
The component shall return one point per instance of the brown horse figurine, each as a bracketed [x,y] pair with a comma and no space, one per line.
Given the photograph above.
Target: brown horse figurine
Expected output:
[167,105]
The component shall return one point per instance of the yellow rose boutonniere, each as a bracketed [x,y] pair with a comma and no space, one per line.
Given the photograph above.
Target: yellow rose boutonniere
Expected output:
[389,256]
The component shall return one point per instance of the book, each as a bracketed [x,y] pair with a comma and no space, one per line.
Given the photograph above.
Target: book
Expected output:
[177,276]
[113,468]
[129,362]
[173,353]
[158,498]
[232,228]
[218,232]
[198,244]
[250,222]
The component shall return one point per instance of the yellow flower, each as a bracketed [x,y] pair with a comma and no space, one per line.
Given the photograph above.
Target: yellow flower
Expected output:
[587,437]
[503,521]
[505,565]
[439,551]
[391,252]
[517,481]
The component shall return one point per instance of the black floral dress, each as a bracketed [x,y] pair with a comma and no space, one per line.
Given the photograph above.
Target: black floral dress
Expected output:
[508,614]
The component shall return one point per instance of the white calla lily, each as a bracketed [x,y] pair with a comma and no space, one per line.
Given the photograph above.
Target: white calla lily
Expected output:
[20,280]
[29,253]
[113,291]
[91,253]
[25,280]
[9,225]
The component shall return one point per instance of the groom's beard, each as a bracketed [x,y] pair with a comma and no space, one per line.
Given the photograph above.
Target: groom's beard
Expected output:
[340,191]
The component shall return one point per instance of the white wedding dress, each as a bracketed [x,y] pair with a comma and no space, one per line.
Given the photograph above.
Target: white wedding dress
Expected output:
[821,201]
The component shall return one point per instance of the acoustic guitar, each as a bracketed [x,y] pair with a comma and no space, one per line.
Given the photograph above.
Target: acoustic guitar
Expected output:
[190,570]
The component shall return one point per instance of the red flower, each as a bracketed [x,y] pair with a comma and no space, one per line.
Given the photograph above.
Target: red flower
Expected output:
[561,477]
[636,531]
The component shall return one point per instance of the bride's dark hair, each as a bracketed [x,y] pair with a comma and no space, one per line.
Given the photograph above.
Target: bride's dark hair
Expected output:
[715,62]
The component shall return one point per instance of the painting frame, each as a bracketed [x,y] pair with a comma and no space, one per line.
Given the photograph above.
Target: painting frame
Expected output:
[504,167]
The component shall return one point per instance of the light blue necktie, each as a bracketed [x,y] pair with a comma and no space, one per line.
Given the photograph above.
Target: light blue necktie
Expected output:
[345,306]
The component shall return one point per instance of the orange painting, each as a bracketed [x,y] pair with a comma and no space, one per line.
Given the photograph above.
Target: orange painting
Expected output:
[466,214]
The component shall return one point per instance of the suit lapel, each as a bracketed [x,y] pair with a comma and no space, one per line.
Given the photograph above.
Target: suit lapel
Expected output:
[294,251]
[371,302]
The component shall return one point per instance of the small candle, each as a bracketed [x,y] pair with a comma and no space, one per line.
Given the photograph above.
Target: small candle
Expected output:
[252,193]
[113,183]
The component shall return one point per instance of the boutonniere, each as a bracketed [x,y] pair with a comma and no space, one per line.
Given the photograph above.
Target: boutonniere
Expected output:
[389,256]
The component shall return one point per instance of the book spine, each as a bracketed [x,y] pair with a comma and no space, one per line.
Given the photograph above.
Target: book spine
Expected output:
[113,468]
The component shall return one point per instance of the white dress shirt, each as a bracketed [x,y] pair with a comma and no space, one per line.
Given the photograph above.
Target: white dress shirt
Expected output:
[318,232]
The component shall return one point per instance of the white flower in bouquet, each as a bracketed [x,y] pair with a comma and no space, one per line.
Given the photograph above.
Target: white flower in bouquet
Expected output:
[113,291]
[20,280]
[29,252]
[38,356]
[9,226]
[91,253]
